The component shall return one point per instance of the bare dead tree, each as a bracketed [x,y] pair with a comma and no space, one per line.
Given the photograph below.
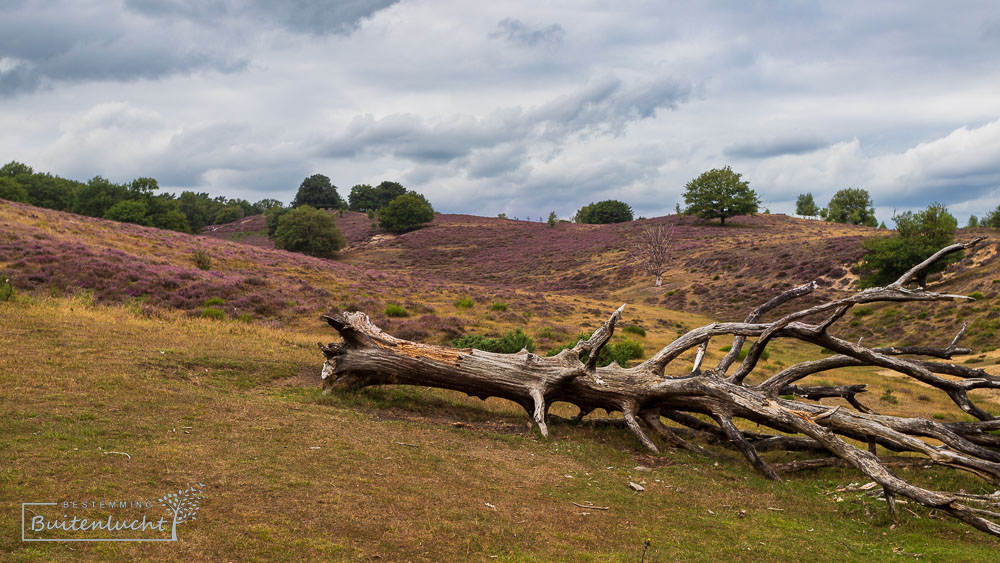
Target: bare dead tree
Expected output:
[646,394]
[651,251]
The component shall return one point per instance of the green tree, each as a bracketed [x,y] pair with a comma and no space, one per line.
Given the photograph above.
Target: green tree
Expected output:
[718,194]
[273,215]
[48,191]
[317,191]
[12,190]
[227,214]
[604,212]
[128,211]
[405,213]
[992,219]
[98,196]
[362,198]
[553,219]
[198,208]
[14,169]
[973,222]
[918,236]
[851,205]
[310,231]
[265,205]
[805,206]
[388,191]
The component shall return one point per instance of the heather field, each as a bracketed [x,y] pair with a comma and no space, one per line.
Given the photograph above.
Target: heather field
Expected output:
[112,345]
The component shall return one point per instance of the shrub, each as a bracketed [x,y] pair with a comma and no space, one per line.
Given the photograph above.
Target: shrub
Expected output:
[634,329]
[213,313]
[6,289]
[201,260]
[511,342]
[395,311]
[464,303]
[215,302]
[862,312]
[309,231]
[405,213]
[976,295]
[621,352]
[498,306]
[604,212]
[515,340]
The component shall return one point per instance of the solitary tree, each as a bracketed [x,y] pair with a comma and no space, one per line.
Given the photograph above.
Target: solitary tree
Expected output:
[553,219]
[973,222]
[918,236]
[851,205]
[317,191]
[718,194]
[310,231]
[405,213]
[651,252]
[805,206]
[604,212]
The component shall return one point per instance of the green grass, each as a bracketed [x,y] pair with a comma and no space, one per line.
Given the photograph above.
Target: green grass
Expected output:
[395,311]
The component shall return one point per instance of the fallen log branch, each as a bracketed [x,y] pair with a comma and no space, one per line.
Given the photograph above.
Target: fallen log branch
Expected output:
[645,393]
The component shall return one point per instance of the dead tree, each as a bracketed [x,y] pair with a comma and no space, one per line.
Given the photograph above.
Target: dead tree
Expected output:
[646,394]
[651,252]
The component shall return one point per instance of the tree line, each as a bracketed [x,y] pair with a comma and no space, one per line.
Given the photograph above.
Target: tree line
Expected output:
[138,201]
[300,227]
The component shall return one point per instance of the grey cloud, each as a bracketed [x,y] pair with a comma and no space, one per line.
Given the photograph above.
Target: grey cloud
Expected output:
[67,42]
[515,32]
[316,17]
[772,148]
[603,107]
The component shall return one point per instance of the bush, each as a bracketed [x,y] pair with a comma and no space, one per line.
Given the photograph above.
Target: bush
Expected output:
[405,213]
[976,295]
[510,343]
[213,313]
[395,311]
[604,212]
[201,260]
[634,329]
[309,231]
[992,219]
[862,312]
[464,303]
[128,211]
[215,302]
[498,306]
[6,289]
[516,340]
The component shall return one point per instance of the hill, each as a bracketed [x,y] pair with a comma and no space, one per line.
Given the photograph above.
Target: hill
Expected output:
[114,354]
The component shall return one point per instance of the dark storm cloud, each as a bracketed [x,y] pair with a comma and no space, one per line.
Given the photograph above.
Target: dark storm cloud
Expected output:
[772,148]
[515,32]
[44,43]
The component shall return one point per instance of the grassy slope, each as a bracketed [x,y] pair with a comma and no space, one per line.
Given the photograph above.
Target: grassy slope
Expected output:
[89,379]
[92,376]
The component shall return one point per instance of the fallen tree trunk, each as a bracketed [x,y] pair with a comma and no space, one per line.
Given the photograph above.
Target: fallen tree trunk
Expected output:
[645,393]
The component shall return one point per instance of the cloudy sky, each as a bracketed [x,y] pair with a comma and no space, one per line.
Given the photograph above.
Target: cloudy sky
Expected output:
[516,107]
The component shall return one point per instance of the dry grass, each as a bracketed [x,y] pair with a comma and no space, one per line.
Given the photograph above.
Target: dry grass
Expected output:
[89,379]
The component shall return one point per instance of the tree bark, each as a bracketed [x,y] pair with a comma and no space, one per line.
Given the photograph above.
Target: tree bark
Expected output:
[645,393]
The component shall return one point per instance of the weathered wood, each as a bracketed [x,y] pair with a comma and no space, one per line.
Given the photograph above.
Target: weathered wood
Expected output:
[643,393]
